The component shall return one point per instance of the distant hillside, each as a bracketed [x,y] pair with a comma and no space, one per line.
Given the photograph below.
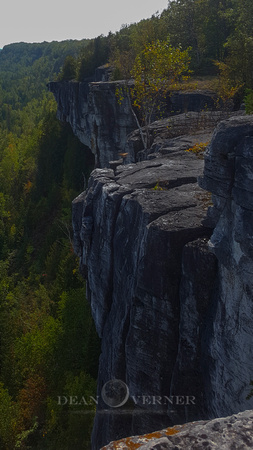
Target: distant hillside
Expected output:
[43,349]
[25,68]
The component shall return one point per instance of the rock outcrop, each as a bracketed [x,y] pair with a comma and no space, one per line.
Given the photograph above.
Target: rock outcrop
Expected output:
[170,296]
[101,123]
[234,432]
[228,175]
[95,115]
[179,132]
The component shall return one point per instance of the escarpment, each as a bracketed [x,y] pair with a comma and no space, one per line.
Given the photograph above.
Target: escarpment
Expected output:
[95,115]
[134,225]
[170,285]
[103,123]
[168,263]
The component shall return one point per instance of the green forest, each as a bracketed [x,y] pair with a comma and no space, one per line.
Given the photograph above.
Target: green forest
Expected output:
[218,33]
[48,343]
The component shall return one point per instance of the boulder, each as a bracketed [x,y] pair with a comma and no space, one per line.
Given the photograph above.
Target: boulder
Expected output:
[234,432]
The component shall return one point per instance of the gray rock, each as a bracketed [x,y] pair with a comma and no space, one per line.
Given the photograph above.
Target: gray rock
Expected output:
[229,433]
[142,216]
[104,125]
[197,288]
[230,144]
[95,115]
[228,341]
[172,305]
[198,101]
[182,130]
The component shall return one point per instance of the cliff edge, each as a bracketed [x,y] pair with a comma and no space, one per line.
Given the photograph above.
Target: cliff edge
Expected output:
[170,286]
[165,243]
[103,124]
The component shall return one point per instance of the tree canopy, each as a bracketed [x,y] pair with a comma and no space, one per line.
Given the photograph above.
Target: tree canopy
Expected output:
[156,69]
[44,348]
[215,30]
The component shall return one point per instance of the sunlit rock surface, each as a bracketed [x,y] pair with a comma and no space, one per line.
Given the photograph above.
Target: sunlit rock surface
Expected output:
[234,432]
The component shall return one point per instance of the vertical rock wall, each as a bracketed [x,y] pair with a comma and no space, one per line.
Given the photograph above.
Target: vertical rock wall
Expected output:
[170,296]
[95,115]
[130,237]
[103,124]
[228,175]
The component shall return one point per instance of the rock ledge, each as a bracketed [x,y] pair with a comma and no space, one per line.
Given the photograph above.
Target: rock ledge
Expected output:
[234,432]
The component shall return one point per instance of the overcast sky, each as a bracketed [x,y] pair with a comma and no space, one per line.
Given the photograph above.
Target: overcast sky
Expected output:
[57,20]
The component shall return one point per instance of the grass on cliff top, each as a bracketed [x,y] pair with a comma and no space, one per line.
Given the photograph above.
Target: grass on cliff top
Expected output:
[203,83]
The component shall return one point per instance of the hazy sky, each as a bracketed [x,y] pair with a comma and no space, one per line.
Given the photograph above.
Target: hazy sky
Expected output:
[49,20]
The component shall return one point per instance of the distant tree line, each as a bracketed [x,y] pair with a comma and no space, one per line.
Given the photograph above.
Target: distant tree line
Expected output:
[218,31]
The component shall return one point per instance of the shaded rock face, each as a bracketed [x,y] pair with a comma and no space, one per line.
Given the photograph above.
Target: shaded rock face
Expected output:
[234,432]
[95,116]
[198,100]
[130,237]
[228,175]
[170,286]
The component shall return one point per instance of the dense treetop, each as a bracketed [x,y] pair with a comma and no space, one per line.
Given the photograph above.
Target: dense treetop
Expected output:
[218,31]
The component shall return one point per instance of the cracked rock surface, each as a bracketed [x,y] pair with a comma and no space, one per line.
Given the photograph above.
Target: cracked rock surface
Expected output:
[104,125]
[170,286]
[130,230]
[229,433]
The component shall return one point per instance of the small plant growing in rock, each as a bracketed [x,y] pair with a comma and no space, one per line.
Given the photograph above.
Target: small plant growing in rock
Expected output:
[198,149]
[161,185]
[157,187]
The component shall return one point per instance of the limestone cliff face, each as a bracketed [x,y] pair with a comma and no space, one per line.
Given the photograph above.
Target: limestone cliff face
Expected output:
[102,124]
[170,287]
[229,338]
[95,116]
